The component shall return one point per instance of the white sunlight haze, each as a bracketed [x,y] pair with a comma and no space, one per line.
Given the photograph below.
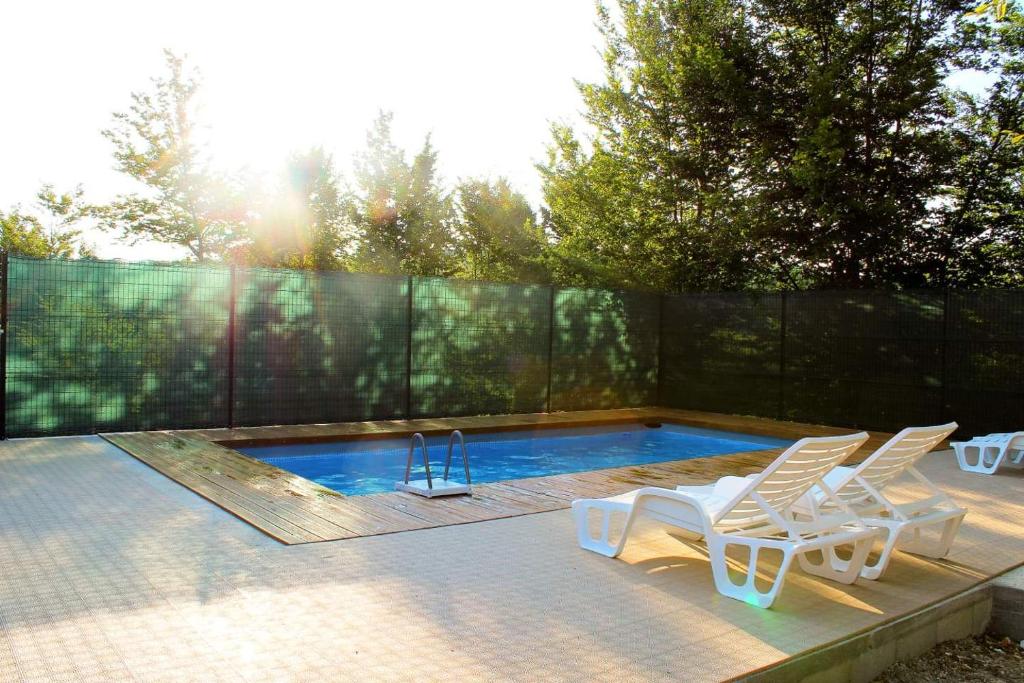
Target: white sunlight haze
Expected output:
[485,78]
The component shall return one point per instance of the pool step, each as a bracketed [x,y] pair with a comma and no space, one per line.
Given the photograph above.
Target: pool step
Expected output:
[429,487]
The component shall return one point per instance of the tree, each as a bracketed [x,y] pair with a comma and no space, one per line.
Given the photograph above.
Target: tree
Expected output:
[22,234]
[650,203]
[772,142]
[402,215]
[979,240]
[851,146]
[61,215]
[305,224]
[52,231]
[186,202]
[499,237]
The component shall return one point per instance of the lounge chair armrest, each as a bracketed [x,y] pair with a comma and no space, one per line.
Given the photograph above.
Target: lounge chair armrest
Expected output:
[825,523]
[840,537]
[938,502]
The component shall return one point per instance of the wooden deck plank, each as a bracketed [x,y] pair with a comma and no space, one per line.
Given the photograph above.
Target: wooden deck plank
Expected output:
[364,521]
[430,510]
[234,469]
[485,504]
[389,519]
[295,510]
[240,506]
[280,499]
[511,498]
[426,426]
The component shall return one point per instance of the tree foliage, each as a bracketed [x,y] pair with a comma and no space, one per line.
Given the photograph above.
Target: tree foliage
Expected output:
[981,242]
[402,215]
[499,237]
[23,235]
[648,203]
[761,142]
[50,232]
[856,145]
[729,145]
[185,201]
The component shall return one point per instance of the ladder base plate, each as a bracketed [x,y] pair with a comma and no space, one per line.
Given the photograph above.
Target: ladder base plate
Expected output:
[441,488]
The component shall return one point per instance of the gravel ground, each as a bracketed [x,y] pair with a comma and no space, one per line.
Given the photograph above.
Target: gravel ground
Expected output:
[985,659]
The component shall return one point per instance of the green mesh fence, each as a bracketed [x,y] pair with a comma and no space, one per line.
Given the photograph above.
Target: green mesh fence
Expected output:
[866,359]
[722,353]
[319,347]
[109,346]
[985,360]
[870,359]
[479,348]
[94,346]
[605,350]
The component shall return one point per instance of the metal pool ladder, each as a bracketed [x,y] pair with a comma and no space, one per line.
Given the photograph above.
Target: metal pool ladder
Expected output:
[430,487]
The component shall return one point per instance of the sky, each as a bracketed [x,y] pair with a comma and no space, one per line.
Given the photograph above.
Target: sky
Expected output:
[485,78]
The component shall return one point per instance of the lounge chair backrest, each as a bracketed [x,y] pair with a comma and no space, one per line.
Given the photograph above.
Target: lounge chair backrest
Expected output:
[1012,440]
[891,460]
[782,483]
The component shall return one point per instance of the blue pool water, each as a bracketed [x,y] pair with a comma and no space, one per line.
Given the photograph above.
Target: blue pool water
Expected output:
[357,467]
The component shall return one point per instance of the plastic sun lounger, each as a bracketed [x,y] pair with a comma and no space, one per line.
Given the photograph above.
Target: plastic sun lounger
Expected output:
[989,452]
[751,513]
[862,489]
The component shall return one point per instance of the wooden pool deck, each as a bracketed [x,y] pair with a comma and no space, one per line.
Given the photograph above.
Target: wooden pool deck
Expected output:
[295,510]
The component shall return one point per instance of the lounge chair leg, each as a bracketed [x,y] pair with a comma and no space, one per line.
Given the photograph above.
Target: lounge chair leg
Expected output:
[602,544]
[935,549]
[747,591]
[987,461]
[836,569]
[874,571]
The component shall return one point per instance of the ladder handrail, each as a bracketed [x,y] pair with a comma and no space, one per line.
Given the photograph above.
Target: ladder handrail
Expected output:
[426,459]
[465,455]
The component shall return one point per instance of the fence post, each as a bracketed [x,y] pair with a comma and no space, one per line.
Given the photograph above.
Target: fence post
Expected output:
[231,348]
[551,338]
[408,348]
[945,350]
[659,395]
[782,357]
[4,331]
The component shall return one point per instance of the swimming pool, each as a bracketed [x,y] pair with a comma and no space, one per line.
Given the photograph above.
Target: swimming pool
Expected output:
[355,467]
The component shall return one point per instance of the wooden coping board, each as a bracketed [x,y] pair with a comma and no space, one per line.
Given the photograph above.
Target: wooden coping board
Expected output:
[294,510]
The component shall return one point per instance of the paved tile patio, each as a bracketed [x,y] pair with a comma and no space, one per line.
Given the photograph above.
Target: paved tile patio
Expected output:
[111,571]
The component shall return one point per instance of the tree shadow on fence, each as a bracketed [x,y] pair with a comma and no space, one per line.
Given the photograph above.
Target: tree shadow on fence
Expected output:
[117,347]
[478,348]
[319,347]
[98,346]
[985,360]
[605,351]
[105,346]
[722,352]
[865,359]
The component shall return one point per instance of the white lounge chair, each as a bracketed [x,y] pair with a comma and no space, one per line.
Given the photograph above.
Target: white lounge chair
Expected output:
[984,454]
[752,513]
[863,489]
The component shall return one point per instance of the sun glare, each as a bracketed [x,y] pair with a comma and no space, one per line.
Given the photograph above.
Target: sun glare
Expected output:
[484,80]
